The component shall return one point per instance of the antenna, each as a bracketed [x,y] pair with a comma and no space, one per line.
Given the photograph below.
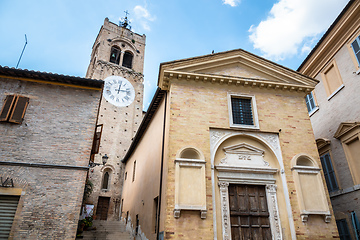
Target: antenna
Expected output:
[22,52]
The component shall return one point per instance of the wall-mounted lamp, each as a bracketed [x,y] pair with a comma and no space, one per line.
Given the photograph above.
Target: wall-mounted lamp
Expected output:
[104,161]
[105,158]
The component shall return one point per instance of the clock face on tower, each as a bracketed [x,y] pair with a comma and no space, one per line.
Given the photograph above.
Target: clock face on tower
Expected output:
[118,91]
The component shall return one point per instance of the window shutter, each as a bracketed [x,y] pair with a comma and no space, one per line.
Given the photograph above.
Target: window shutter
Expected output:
[329,172]
[19,109]
[8,104]
[97,137]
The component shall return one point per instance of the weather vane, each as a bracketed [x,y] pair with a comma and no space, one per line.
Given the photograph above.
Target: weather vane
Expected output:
[124,22]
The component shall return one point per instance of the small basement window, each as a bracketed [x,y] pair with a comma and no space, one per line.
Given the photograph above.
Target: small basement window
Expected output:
[14,108]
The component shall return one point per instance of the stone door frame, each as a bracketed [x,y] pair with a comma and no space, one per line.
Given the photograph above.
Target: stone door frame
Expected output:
[271,198]
[271,140]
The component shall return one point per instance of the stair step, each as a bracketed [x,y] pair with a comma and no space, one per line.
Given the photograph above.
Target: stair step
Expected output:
[107,230]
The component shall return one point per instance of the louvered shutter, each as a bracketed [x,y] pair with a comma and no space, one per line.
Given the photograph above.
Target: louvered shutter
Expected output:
[5,111]
[329,172]
[97,137]
[8,205]
[18,112]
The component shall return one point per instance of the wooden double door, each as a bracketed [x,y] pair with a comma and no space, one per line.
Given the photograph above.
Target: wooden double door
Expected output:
[102,208]
[249,215]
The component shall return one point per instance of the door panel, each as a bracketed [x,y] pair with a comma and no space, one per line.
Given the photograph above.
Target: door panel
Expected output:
[249,215]
[102,208]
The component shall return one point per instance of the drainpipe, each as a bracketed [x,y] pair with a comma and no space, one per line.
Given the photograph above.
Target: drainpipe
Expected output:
[161,169]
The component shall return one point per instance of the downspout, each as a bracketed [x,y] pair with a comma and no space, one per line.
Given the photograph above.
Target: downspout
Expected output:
[161,169]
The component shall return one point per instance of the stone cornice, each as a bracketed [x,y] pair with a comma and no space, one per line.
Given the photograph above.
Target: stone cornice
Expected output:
[229,80]
[123,70]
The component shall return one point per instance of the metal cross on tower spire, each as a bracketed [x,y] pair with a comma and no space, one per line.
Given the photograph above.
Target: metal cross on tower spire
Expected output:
[124,22]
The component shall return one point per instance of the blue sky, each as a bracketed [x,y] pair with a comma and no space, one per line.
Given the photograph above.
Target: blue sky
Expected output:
[61,32]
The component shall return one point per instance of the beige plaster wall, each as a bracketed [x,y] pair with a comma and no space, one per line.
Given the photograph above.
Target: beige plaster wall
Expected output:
[139,194]
[197,107]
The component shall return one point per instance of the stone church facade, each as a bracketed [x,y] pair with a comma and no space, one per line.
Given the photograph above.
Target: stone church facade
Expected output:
[226,151]
[117,53]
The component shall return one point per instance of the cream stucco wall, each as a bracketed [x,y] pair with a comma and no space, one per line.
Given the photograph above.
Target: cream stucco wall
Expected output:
[139,194]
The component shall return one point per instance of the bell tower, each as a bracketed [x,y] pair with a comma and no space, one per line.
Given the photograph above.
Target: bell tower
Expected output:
[117,58]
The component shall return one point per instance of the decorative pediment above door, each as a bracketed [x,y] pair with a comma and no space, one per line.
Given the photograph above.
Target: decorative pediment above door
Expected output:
[243,155]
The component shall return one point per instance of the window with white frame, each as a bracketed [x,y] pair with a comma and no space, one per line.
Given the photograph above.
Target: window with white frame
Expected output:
[356,48]
[310,103]
[243,111]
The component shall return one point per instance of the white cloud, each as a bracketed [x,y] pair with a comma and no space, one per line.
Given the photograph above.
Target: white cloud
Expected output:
[232,3]
[293,26]
[144,17]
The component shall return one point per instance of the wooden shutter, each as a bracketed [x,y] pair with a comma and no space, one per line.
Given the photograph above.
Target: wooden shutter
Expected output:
[343,229]
[97,138]
[19,109]
[8,206]
[329,172]
[6,109]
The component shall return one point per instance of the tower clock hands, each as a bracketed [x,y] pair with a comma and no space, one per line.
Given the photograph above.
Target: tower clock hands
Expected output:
[119,88]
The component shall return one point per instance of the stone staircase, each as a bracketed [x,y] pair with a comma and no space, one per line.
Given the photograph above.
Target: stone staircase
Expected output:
[107,230]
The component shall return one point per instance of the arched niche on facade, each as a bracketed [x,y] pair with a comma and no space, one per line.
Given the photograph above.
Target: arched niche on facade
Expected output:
[242,162]
[190,184]
[309,187]
[106,178]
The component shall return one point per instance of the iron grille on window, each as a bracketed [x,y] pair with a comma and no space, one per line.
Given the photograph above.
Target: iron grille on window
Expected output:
[242,111]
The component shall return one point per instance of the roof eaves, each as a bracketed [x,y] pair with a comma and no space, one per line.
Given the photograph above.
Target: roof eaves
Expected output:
[326,33]
[50,77]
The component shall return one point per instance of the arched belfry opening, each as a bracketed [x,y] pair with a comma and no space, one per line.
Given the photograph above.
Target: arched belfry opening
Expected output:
[128,59]
[115,55]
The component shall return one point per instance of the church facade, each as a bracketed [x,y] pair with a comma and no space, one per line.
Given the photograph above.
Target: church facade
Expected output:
[226,151]
[117,58]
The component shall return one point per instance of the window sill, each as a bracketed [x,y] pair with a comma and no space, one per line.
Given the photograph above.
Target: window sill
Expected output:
[243,126]
[335,92]
[344,191]
[313,111]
